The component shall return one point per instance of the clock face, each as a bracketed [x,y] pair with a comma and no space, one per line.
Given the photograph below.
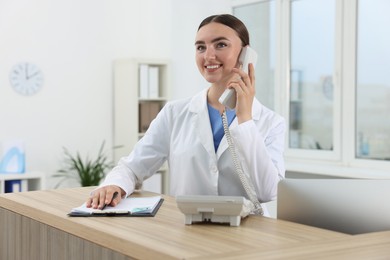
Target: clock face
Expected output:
[26,78]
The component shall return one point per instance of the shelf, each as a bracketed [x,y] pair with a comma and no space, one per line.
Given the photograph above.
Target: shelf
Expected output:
[29,181]
[160,99]
[141,89]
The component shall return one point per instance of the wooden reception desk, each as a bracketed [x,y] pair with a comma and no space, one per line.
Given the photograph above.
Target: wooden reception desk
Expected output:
[35,225]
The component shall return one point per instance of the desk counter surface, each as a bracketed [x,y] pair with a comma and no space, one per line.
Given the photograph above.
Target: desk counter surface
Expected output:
[164,236]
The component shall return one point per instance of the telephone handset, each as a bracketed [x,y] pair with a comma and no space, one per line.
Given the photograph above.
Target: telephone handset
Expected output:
[247,55]
[228,99]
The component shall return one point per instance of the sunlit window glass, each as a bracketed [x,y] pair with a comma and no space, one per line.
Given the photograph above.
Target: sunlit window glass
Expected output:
[260,21]
[373,80]
[311,74]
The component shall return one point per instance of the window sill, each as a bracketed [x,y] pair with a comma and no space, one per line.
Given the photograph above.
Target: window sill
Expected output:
[300,169]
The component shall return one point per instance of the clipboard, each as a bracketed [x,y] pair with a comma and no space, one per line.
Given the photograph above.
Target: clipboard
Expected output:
[120,212]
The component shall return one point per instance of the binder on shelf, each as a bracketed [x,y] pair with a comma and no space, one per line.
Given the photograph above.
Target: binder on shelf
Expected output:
[149,82]
[154,82]
[147,112]
[144,81]
[154,110]
[144,120]
[13,186]
[24,185]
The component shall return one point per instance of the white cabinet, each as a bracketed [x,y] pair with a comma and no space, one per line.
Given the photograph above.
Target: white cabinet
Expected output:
[141,89]
[28,181]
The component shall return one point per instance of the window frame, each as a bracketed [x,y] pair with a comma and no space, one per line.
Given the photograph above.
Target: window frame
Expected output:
[294,153]
[341,161]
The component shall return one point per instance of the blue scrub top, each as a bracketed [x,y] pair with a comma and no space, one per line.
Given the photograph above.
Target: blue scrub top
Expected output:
[216,123]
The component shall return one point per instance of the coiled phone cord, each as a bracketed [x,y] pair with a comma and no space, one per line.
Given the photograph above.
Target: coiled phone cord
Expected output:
[246,183]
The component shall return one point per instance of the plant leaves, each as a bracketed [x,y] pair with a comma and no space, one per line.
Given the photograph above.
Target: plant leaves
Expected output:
[87,172]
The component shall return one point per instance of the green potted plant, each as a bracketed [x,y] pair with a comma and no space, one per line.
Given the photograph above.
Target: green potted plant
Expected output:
[87,172]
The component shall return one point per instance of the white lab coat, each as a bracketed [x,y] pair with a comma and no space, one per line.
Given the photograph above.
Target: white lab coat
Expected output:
[181,134]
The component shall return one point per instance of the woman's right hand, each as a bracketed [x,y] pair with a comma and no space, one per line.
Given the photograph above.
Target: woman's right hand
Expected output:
[105,196]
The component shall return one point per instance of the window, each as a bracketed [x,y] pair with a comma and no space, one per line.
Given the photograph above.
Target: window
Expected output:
[373,81]
[311,74]
[259,17]
[327,64]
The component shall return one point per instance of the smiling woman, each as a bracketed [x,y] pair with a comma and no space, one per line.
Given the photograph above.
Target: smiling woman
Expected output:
[217,49]
[188,133]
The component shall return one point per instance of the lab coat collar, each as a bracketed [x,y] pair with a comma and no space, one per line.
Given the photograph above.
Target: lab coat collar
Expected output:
[198,106]
[199,102]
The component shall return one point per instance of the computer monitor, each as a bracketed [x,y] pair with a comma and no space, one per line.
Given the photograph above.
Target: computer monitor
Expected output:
[352,206]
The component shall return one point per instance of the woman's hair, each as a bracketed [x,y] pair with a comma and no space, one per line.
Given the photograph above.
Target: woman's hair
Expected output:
[231,21]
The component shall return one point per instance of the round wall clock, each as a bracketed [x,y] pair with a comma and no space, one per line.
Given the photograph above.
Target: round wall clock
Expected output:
[26,78]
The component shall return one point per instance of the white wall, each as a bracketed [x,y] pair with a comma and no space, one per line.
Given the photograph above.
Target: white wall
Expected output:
[74,43]
[186,19]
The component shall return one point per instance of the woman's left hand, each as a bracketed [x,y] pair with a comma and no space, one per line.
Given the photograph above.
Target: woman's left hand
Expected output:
[244,84]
